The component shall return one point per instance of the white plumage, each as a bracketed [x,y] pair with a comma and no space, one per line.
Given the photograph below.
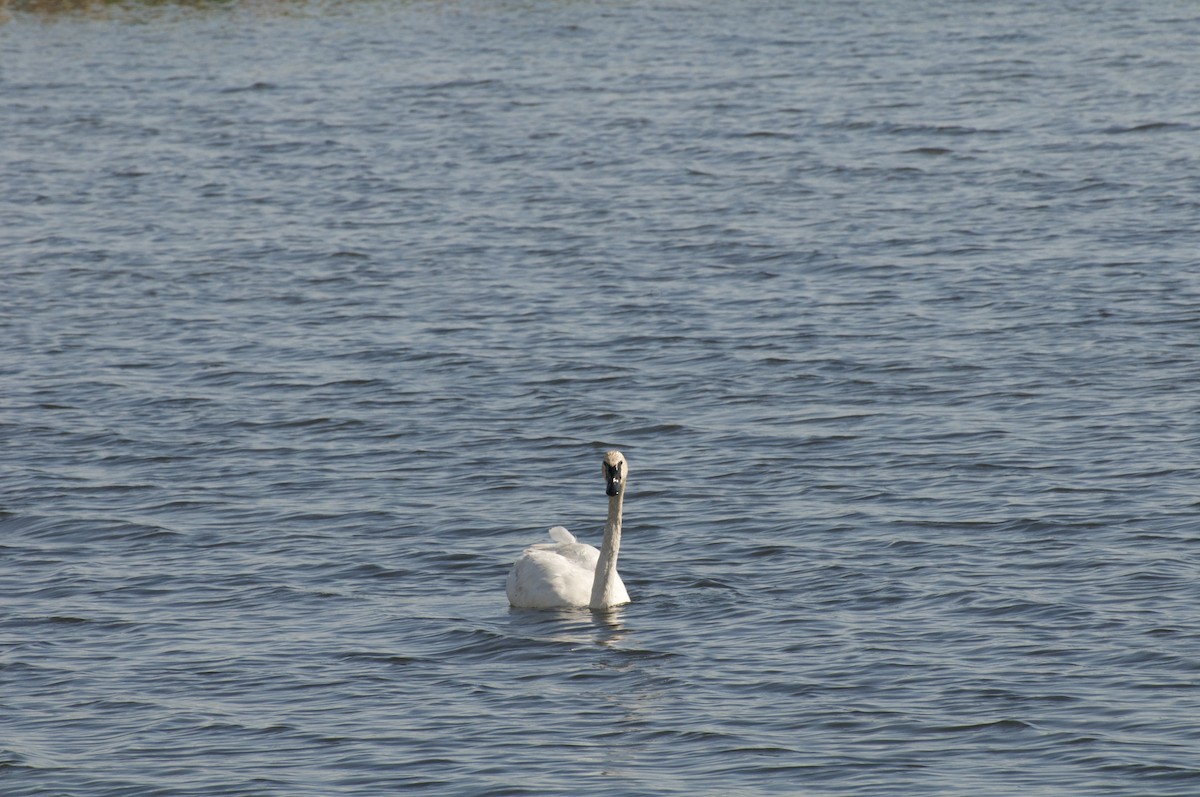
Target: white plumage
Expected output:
[561,573]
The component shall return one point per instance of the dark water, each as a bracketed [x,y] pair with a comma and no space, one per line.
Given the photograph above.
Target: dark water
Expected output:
[315,315]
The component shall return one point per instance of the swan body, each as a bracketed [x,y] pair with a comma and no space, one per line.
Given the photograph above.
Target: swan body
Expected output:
[552,575]
[567,572]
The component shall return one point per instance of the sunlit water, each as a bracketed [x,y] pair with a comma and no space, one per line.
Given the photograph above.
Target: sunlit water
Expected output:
[315,315]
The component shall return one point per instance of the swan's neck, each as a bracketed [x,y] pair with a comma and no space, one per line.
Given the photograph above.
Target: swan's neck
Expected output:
[606,567]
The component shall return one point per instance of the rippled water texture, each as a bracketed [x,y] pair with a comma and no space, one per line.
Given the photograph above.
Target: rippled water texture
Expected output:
[315,315]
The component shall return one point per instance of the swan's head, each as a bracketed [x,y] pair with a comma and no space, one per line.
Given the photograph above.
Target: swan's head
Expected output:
[615,471]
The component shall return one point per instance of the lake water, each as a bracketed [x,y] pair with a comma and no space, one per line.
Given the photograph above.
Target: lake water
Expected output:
[315,315]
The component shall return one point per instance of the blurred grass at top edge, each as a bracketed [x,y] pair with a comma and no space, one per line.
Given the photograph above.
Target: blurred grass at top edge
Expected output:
[101,9]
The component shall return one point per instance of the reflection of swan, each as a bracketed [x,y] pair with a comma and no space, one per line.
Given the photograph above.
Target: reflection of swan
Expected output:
[570,573]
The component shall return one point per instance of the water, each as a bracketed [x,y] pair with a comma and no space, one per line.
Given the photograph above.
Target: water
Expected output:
[315,315]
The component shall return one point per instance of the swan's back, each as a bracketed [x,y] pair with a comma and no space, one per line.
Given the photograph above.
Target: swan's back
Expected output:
[557,574]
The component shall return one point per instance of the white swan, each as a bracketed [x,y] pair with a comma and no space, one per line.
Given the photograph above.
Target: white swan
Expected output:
[570,573]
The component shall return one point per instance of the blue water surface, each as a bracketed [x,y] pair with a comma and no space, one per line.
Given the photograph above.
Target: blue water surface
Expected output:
[316,314]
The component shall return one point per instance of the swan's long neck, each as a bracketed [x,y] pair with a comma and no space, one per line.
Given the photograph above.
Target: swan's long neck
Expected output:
[606,566]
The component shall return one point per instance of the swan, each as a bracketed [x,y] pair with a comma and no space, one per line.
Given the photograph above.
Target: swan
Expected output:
[571,573]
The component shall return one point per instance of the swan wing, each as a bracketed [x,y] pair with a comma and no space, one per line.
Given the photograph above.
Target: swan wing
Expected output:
[548,576]
[577,555]
[560,534]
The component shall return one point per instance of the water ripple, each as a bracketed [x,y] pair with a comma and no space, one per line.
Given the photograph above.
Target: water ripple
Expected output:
[317,314]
